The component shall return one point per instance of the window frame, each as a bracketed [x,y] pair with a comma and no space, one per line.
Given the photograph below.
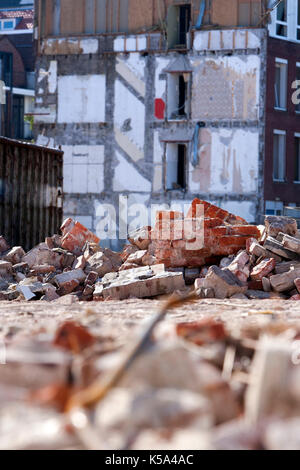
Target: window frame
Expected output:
[7,20]
[275,207]
[283,65]
[185,176]
[171,76]
[291,23]
[279,132]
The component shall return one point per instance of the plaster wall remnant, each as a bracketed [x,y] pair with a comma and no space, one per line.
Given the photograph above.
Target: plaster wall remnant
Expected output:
[96,98]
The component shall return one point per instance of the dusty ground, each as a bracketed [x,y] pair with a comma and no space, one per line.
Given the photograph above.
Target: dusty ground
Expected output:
[121,318]
[119,321]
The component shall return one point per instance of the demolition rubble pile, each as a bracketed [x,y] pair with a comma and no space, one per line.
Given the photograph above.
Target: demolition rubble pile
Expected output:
[217,252]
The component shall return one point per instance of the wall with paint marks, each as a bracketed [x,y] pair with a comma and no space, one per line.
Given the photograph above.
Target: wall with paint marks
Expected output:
[109,114]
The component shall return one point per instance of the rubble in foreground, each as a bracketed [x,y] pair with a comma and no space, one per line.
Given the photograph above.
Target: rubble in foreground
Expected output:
[221,372]
[216,252]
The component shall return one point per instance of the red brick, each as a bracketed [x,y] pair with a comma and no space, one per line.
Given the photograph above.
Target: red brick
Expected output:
[202,332]
[250,230]
[249,242]
[179,244]
[73,337]
[219,231]
[263,269]
[211,211]
[75,235]
[255,285]
[236,240]
[168,215]
[216,212]
[194,211]
[162,244]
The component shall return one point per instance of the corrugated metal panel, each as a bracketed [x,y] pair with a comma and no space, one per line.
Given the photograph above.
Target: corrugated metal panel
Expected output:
[31,179]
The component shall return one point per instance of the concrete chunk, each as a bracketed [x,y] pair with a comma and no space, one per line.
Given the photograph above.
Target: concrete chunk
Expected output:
[279,224]
[276,247]
[76,274]
[15,255]
[284,282]
[224,283]
[291,243]
[164,283]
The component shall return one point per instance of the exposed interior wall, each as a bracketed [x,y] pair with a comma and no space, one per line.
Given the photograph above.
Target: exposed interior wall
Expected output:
[101,109]
[59,17]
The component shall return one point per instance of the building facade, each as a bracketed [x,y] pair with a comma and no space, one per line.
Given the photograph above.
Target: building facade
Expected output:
[17,64]
[282,155]
[156,102]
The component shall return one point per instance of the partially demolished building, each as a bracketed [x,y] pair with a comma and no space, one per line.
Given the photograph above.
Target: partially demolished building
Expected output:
[158,101]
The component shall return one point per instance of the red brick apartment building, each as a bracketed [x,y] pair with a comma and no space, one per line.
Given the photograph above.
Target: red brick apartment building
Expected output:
[282,150]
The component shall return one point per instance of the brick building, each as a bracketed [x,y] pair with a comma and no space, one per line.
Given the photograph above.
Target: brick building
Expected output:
[17,62]
[159,101]
[282,153]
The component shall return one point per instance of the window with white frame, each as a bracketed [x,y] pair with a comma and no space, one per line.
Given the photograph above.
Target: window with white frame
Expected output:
[281,69]
[279,155]
[285,20]
[297,157]
[281,19]
[7,25]
[274,208]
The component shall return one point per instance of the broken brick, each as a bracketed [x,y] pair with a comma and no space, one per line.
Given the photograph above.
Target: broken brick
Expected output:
[73,337]
[69,281]
[263,269]
[15,255]
[202,332]
[75,236]
[43,269]
[141,238]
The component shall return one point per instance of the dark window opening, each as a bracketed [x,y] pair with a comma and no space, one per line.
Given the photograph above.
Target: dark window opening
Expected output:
[184,23]
[281,19]
[178,96]
[181,166]
[182,96]
[178,25]
[6,68]
[176,167]
[18,117]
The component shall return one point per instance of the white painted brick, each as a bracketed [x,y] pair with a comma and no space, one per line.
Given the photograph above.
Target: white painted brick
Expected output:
[127,178]
[89,46]
[130,44]
[95,178]
[96,154]
[142,43]
[81,98]
[68,178]
[119,44]
[79,180]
